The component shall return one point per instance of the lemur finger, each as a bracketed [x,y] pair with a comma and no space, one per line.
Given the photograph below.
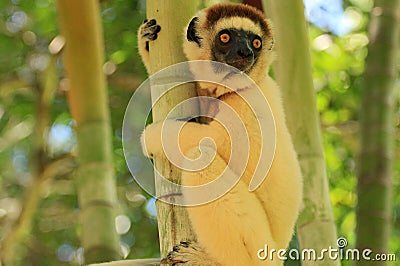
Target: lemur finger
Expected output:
[151,25]
[151,37]
[151,32]
[151,22]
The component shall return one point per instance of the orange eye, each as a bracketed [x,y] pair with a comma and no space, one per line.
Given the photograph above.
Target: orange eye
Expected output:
[225,38]
[257,43]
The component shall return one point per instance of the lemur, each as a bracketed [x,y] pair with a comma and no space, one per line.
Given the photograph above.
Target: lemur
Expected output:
[231,229]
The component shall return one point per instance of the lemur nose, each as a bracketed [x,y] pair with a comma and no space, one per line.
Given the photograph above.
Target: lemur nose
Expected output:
[244,52]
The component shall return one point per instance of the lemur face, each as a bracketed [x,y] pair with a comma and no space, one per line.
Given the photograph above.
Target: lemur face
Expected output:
[236,47]
[237,35]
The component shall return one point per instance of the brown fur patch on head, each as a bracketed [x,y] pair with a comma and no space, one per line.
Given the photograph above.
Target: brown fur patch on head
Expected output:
[219,11]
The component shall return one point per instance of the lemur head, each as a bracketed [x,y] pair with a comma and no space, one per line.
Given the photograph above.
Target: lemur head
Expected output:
[235,34]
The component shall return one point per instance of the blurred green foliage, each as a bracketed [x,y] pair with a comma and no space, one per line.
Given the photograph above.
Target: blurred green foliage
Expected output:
[26,30]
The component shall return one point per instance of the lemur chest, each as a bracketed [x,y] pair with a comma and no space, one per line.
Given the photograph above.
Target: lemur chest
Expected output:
[244,116]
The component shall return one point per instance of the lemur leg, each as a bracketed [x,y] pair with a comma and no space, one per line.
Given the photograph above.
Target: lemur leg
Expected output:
[147,32]
[282,207]
[230,229]
[241,234]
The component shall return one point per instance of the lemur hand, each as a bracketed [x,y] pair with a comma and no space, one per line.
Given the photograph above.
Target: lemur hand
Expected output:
[149,31]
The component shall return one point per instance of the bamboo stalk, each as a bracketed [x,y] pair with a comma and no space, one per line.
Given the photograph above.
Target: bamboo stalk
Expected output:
[84,54]
[316,226]
[375,162]
[173,223]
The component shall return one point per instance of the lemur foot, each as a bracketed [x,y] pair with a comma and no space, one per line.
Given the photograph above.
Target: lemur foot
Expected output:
[149,31]
[188,253]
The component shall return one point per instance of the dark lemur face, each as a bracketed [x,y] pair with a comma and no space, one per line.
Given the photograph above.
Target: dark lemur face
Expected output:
[237,47]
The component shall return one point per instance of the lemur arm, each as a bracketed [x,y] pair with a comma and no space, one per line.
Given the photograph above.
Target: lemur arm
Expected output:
[189,137]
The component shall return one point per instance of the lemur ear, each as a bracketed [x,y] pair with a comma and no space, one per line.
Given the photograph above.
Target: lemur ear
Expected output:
[192,34]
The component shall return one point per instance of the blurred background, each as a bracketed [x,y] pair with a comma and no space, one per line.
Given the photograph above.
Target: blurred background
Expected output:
[30,47]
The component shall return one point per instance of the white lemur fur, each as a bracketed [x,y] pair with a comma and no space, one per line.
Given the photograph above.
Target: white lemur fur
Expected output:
[232,229]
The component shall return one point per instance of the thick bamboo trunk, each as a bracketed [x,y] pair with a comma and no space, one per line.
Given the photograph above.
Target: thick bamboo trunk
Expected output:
[316,226]
[376,130]
[173,223]
[84,55]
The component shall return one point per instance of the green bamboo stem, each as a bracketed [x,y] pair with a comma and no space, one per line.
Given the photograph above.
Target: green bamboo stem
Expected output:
[375,158]
[316,226]
[173,223]
[84,54]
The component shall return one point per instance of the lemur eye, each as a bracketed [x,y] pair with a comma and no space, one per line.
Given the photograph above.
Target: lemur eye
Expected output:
[257,43]
[225,37]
